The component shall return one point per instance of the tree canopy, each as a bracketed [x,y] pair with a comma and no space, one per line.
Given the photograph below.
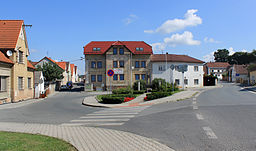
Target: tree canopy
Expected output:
[51,72]
[221,55]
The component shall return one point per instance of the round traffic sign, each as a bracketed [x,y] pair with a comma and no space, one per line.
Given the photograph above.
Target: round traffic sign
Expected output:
[110,72]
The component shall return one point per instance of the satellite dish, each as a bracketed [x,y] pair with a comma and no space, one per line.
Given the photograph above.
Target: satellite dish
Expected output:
[9,53]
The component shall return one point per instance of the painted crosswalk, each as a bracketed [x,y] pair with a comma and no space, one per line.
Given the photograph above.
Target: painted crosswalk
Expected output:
[107,117]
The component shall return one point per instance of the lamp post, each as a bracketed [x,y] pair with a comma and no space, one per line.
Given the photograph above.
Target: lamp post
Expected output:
[166,70]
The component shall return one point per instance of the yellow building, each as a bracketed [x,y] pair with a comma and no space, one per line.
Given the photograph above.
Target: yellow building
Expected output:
[253,77]
[13,44]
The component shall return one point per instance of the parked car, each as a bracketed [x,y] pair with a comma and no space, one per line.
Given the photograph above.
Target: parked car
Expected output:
[63,88]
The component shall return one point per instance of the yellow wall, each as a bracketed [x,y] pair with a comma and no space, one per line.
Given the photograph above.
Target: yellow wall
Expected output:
[253,77]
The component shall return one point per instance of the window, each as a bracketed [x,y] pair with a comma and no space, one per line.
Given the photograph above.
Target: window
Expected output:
[93,64]
[114,64]
[177,81]
[93,78]
[99,78]
[218,70]
[121,51]
[196,81]
[212,70]
[139,49]
[195,68]
[96,49]
[143,77]
[137,77]
[137,64]
[29,83]
[121,64]
[121,76]
[3,83]
[114,51]
[115,77]
[99,64]
[161,68]
[143,64]
[20,59]
[20,83]
[186,81]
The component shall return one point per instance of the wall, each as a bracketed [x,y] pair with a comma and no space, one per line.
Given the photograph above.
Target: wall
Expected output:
[253,77]
[5,70]
[170,76]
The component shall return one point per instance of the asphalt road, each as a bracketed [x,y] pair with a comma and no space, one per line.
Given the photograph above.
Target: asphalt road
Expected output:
[219,119]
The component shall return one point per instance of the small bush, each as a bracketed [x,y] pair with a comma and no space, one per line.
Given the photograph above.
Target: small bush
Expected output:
[139,92]
[156,95]
[112,100]
[142,85]
[122,91]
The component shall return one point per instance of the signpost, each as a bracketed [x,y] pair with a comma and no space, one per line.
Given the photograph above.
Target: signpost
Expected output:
[182,68]
[110,73]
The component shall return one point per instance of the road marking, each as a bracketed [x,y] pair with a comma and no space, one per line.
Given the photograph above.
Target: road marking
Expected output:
[101,120]
[195,107]
[199,116]
[194,102]
[93,114]
[210,133]
[122,116]
[194,99]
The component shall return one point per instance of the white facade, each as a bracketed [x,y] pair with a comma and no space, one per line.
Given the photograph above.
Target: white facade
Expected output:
[193,77]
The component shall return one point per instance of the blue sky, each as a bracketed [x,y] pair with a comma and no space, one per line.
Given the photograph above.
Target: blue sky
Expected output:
[195,28]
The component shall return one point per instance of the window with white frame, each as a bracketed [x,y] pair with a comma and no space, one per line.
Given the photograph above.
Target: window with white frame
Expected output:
[3,83]
[195,68]
[20,83]
[186,81]
[196,81]
[177,81]
[20,57]
[161,68]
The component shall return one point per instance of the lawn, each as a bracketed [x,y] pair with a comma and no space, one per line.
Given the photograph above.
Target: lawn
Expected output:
[10,141]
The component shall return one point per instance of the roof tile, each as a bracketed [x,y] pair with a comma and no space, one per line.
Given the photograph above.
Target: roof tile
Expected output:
[174,58]
[4,59]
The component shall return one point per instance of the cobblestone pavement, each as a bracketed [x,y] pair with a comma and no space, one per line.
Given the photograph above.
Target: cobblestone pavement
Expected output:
[89,138]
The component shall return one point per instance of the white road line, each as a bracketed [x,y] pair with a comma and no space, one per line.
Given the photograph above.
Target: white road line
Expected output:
[194,102]
[121,116]
[100,120]
[194,99]
[199,116]
[210,133]
[93,114]
[195,107]
[91,124]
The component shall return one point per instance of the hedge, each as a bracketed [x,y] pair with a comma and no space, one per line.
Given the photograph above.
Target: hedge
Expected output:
[156,95]
[139,92]
[115,98]
[122,91]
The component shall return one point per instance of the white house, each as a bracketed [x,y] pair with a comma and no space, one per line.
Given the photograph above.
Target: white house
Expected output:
[216,68]
[193,77]
[238,73]
[39,83]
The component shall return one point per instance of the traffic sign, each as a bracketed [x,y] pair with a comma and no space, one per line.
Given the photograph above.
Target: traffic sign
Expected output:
[110,72]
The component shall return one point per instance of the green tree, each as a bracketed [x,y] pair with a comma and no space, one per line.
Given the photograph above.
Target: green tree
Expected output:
[240,58]
[142,85]
[221,55]
[159,84]
[51,72]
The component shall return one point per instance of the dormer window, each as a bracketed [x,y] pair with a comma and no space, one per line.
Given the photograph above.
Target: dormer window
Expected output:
[139,49]
[96,49]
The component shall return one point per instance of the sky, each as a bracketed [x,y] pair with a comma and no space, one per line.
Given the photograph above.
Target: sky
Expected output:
[61,28]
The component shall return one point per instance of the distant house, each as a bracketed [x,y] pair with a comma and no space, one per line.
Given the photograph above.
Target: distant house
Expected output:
[253,76]
[73,73]
[238,73]
[39,83]
[17,73]
[193,77]
[216,68]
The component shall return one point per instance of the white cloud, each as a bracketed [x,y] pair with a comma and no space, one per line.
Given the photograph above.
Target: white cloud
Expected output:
[131,18]
[210,40]
[231,51]
[181,39]
[190,19]
[158,46]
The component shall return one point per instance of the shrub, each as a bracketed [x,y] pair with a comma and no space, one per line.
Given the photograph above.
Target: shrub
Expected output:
[156,95]
[142,85]
[112,100]
[127,99]
[159,84]
[122,91]
[139,92]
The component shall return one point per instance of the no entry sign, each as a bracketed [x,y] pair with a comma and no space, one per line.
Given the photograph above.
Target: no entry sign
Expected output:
[110,72]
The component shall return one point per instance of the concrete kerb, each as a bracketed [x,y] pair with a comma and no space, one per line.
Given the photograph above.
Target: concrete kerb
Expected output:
[86,138]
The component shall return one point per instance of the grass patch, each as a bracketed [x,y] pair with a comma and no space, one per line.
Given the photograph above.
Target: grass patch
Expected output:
[32,142]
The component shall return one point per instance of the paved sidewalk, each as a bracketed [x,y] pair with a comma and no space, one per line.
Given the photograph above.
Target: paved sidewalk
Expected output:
[89,138]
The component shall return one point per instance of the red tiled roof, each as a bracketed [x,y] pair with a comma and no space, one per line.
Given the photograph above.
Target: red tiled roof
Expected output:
[241,69]
[30,65]
[4,59]
[105,45]
[217,64]
[174,58]
[62,65]
[33,63]
[9,33]
[72,68]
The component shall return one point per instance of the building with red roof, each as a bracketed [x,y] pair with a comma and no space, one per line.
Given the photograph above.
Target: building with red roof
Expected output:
[238,73]
[129,59]
[216,69]
[16,72]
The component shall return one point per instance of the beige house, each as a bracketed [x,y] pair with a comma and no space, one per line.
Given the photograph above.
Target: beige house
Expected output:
[130,61]
[13,44]
[253,75]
